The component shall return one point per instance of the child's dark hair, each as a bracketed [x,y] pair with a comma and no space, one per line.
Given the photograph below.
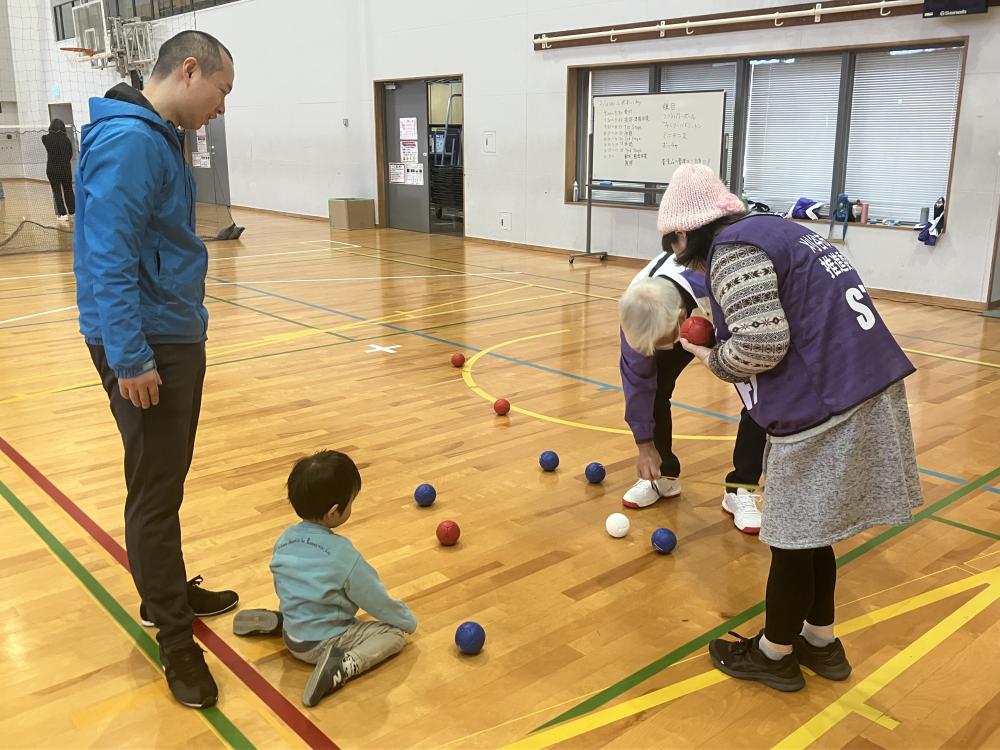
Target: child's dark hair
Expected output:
[699,241]
[320,482]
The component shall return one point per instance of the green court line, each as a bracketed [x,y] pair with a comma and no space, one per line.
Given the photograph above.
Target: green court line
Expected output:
[965,527]
[701,641]
[226,729]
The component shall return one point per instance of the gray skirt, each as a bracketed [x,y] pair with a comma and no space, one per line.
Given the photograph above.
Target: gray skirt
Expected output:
[832,482]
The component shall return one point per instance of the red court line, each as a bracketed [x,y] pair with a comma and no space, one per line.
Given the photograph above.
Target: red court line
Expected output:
[298,722]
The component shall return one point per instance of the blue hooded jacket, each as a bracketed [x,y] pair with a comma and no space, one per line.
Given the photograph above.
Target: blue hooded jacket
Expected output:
[140,267]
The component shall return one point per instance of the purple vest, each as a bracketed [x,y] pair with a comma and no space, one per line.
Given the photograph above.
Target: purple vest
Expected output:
[841,352]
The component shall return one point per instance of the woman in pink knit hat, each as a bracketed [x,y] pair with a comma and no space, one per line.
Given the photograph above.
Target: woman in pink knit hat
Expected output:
[817,368]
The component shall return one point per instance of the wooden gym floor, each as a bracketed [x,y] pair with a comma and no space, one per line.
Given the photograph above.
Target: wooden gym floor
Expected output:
[342,340]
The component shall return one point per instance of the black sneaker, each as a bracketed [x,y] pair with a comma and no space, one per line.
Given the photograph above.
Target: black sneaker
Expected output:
[828,661]
[257,622]
[328,676]
[188,675]
[204,603]
[745,661]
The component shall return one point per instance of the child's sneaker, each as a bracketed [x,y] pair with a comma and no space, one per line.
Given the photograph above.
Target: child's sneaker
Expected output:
[257,622]
[742,506]
[828,661]
[744,660]
[328,676]
[645,492]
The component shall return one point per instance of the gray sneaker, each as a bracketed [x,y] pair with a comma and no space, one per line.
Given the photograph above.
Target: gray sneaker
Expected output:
[327,677]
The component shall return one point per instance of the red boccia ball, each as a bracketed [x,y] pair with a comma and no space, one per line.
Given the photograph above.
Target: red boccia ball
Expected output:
[698,331]
[448,533]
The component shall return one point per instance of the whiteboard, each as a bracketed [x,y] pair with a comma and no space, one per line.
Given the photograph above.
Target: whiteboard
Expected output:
[645,137]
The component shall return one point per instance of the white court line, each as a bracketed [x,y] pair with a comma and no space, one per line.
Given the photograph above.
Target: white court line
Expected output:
[364,278]
[271,255]
[335,242]
[37,315]
[35,276]
[210,260]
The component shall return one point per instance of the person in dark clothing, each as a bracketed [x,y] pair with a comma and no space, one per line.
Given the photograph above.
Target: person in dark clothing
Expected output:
[59,170]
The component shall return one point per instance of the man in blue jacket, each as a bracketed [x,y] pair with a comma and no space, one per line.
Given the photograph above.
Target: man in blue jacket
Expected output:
[140,272]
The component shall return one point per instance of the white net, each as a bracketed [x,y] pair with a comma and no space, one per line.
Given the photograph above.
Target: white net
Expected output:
[48,82]
[28,210]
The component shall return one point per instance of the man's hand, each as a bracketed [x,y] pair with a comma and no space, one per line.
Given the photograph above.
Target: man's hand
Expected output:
[648,463]
[143,390]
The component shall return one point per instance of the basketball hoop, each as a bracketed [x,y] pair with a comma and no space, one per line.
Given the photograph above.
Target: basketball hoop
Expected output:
[89,52]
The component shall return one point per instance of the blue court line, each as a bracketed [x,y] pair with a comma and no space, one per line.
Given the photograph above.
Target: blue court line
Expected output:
[603,386]
[590,381]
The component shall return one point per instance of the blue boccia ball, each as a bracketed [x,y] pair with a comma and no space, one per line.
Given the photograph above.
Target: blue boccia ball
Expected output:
[470,637]
[664,541]
[595,473]
[548,460]
[425,495]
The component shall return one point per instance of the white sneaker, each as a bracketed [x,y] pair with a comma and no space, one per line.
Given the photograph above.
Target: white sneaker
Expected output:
[742,506]
[645,492]
[63,218]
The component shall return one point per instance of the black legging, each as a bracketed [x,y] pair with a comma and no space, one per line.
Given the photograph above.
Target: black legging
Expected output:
[62,192]
[800,587]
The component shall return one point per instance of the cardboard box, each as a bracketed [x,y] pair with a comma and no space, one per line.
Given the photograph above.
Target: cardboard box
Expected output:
[352,213]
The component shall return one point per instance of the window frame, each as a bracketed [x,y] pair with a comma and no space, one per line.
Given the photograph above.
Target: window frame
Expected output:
[580,114]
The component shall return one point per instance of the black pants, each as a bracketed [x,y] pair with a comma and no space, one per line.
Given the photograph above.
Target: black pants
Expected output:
[159,445]
[800,586]
[62,192]
[748,454]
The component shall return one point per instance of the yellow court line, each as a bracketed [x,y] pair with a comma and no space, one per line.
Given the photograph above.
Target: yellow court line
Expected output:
[827,719]
[474,387]
[598,719]
[953,359]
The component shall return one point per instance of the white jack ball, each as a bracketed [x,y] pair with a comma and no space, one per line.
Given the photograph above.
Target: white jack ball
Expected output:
[617,525]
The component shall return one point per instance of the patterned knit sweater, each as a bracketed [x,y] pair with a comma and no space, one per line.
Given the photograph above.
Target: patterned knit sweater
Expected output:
[744,283]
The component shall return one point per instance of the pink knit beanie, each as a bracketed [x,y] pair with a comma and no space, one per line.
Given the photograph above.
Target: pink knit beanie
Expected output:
[695,197]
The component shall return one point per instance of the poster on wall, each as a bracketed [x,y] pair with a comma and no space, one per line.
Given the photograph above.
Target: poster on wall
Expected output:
[201,138]
[414,174]
[407,128]
[408,152]
[397,173]
[201,160]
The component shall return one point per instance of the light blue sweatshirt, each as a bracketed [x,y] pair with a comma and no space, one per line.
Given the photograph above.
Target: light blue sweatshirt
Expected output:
[322,581]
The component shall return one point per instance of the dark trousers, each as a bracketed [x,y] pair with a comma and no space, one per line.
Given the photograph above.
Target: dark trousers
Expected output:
[62,192]
[159,445]
[800,587]
[748,454]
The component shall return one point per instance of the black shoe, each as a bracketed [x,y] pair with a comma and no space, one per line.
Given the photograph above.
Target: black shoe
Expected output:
[257,622]
[188,675]
[828,661]
[745,661]
[328,676]
[204,603]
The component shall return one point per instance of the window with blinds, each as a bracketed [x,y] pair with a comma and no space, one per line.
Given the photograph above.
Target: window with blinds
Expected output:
[791,130]
[888,144]
[903,113]
[605,81]
[706,76]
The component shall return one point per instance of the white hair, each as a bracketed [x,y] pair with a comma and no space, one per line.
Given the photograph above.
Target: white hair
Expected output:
[650,312]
